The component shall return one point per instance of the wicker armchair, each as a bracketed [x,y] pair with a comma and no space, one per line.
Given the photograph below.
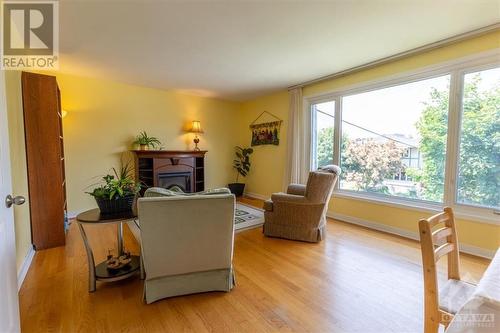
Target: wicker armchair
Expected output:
[300,214]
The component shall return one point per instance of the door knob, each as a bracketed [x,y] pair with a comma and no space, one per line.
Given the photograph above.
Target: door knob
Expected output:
[17,200]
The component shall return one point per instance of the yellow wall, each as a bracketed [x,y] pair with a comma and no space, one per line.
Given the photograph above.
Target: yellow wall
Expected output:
[481,235]
[268,161]
[103,118]
[18,164]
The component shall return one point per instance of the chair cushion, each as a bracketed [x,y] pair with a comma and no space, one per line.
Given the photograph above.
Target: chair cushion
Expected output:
[162,192]
[268,205]
[454,295]
[297,189]
[176,191]
[331,168]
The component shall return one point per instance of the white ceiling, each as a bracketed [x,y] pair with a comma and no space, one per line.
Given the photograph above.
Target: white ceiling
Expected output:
[238,49]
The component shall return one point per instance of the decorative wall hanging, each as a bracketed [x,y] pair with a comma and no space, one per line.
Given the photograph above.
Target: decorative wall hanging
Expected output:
[266,133]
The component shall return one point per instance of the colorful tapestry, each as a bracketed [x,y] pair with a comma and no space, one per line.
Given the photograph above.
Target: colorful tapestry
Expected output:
[266,133]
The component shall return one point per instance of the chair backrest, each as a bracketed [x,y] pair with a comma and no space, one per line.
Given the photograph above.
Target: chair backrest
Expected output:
[320,183]
[440,241]
[186,234]
[438,238]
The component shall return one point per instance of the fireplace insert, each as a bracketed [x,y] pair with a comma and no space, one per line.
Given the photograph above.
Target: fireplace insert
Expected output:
[169,179]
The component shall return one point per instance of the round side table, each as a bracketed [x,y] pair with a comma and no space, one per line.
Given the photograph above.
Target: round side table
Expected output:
[101,272]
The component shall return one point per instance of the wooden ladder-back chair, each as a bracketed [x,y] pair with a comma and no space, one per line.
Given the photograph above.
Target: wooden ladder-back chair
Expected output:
[436,242]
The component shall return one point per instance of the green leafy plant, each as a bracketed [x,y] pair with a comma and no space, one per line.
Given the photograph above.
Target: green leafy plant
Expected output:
[144,140]
[120,184]
[242,161]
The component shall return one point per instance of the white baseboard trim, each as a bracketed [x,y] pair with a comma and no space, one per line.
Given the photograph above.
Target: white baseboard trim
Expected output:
[477,251]
[466,248]
[21,275]
[256,196]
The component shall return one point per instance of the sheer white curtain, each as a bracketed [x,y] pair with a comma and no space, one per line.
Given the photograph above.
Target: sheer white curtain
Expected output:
[297,151]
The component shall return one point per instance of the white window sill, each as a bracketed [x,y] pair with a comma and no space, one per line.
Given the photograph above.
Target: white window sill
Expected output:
[417,205]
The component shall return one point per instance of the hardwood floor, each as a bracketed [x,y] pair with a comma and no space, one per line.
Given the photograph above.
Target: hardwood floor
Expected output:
[251,201]
[357,280]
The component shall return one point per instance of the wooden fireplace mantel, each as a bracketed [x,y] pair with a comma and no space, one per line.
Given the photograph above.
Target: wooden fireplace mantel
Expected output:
[169,153]
[151,165]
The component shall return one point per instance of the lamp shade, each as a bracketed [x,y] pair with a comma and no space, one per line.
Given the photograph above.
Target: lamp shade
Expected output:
[196,127]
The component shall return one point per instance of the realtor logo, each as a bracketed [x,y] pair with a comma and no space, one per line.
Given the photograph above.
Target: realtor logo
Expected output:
[30,35]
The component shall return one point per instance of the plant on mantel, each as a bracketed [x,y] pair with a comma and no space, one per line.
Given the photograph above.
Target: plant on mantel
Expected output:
[242,166]
[145,142]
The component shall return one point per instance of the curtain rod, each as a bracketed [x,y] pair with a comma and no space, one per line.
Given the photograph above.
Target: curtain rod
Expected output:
[405,54]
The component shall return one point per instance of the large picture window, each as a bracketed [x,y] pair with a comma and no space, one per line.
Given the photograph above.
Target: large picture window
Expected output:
[428,140]
[394,140]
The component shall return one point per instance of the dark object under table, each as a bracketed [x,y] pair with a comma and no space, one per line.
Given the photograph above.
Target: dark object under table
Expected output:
[101,271]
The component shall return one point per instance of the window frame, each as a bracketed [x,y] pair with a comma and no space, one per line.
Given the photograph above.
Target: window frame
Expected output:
[457,69]
[465,208]
[314,140]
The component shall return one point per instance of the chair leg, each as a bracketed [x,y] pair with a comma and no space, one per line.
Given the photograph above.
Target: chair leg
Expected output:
[432,320]
[431,326]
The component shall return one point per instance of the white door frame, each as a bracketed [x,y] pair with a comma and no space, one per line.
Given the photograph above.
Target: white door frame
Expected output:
[9,303]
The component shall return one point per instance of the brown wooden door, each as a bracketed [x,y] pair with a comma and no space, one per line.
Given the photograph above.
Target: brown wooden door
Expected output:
[45,159]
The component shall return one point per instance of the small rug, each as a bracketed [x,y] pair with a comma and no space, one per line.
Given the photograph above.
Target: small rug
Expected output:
[246,217]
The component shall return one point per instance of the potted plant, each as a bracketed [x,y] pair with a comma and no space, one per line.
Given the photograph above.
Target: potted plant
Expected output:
[144,141]
[242,165]
[117,192]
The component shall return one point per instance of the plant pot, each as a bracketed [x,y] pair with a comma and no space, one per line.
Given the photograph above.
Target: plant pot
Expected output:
[115,206]
[143,147]
[236,188]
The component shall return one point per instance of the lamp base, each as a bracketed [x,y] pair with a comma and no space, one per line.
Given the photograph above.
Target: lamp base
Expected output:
[196,141]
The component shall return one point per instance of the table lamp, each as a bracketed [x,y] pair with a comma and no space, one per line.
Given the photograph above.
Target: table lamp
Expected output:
[196,129]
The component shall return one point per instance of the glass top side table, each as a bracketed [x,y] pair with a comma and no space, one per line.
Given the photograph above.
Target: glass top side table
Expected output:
[101,272]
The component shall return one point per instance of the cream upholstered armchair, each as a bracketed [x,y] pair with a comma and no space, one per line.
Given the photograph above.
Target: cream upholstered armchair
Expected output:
[187,243]
[300,214]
